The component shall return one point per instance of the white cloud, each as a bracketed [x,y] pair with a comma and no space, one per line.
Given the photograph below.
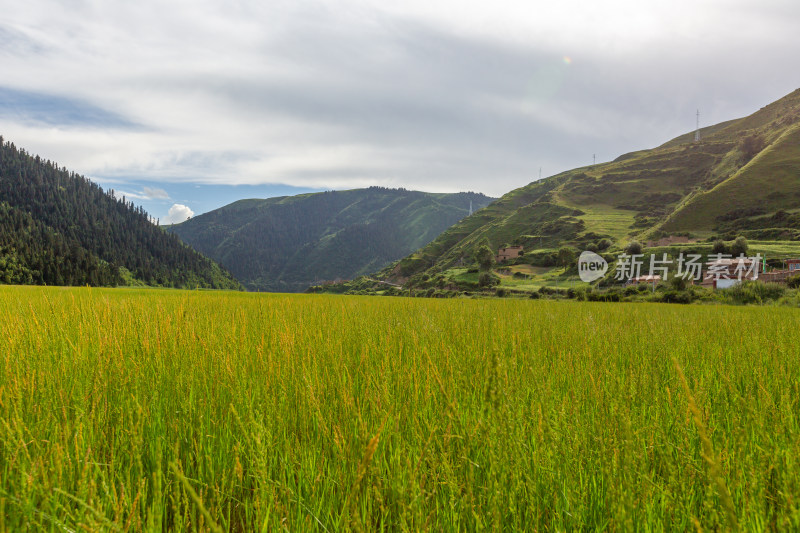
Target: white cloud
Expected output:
[178,213]
[147,193]
[151,193]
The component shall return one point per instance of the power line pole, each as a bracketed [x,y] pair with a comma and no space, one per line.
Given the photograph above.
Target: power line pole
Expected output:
[697,131]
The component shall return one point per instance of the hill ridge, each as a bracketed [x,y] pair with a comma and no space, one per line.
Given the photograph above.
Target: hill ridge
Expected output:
[290,243]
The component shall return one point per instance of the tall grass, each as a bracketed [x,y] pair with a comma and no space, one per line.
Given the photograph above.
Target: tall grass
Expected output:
[131,410]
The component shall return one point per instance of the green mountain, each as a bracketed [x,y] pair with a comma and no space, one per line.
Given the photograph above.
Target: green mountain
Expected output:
[58,228]
[741,178]
[291,242]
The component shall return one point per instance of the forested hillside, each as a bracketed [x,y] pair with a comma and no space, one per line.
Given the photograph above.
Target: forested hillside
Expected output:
[290,243]
[59,228]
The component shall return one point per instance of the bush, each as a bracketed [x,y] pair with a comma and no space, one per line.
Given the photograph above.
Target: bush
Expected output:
[488,279]
[750,147]
[607,296]
[676,297]
[551,291]
[739,246]
[603,244]
[753,292]
[793,282]
[566,256]
[677,283]
[633,248]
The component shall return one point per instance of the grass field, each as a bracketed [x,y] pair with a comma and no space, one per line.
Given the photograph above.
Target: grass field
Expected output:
[130,410]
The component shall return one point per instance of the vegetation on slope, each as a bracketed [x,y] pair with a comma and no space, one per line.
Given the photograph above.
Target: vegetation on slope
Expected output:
[32,254]
[190,411]
[59,228]
[742,177]
[289,243]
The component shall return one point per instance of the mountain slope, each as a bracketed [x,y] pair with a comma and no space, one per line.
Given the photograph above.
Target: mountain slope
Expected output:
[743,176]
[58,228]
[289,243]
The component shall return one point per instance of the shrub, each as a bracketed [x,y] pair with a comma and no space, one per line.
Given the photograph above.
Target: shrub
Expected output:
[603,244]
[487,279]
[676,297]
[634,247]
[739,246]
[750,146]
[607,296]
[793,282]
[753,292]
[677,283]
[566,256]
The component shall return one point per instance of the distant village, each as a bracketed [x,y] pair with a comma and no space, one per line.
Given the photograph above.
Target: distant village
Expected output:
[719,273]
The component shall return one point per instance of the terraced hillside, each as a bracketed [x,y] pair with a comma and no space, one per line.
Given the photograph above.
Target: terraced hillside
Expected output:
[742,177]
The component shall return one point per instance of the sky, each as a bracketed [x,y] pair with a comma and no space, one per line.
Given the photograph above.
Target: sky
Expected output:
[185,106]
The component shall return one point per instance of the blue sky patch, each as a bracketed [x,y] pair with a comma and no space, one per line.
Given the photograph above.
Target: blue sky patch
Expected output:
[158,197]
[39,108]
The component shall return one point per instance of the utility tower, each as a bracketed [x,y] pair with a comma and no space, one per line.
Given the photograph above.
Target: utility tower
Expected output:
[697,131]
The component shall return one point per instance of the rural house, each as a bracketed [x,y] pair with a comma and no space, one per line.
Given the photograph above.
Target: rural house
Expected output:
[512,252]
[780,276]
[727,272]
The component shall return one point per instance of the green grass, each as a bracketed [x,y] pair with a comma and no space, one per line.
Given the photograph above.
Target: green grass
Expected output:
[539,277]
[773,249]
[200,411]
[775,170]
[607,220]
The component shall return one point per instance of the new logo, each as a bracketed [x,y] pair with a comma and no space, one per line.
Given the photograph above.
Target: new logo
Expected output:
[591,266]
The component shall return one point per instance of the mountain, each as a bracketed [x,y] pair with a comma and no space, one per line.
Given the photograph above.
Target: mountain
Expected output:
[291,242]
[59,228]
[741,178]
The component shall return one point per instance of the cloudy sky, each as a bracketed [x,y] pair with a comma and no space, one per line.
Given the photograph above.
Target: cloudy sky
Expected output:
[188,105]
